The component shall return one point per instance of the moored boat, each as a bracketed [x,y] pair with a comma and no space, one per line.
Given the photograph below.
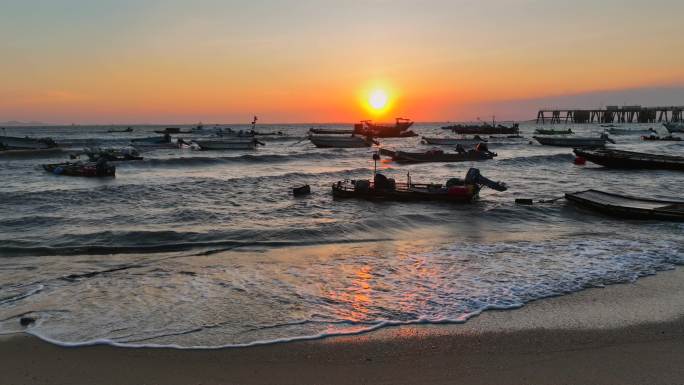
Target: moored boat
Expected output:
[437,155]
[541,131]
[463,141]
[26,143]
[400,129]
[668,138]
[486,129]
[381,188]
[331,141]
[228,143]
[112,154]
[631,160]
[173,130]
[330,131]
[128,129]
[86,169]
[674,126]
[155,142]
[628,207]
[575,142]
[627,131]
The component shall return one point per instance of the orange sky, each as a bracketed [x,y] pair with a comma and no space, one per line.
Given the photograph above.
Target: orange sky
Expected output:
[317,61]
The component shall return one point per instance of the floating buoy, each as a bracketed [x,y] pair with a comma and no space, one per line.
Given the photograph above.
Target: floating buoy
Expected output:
[523,201]
[580,161]
[301,190]
[26,321]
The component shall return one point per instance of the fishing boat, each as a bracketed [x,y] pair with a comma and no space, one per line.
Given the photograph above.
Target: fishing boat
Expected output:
[437,155]
[627,131]
[87,169]
[155,142]
[330,131]
[331,141]
[128,129]
[674,127]
[26,143]
[400,129]
[541,131]
[382,188]
[628,207]
[112,154]
[668,138]
[575,142]
[631,160]
[173,130]
[228,143]
[463,141]
[484,128]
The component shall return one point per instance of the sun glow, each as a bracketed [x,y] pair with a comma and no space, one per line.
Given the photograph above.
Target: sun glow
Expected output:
[378,100]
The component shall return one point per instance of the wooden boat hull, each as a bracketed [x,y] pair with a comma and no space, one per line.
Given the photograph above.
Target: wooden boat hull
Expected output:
[631,160]
[232,144]
[663,139]
[410,157]
[466,142]
[340,142]
[16,143]
[84,170]
[571,142]
[553,132]
[628,207]
[418,193]
[622,131]
[325,131]
[483,130]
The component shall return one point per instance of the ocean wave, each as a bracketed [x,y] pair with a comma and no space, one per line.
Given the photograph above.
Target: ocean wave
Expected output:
[465,280]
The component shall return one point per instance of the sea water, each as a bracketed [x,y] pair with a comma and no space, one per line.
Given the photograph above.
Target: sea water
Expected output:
[205,249]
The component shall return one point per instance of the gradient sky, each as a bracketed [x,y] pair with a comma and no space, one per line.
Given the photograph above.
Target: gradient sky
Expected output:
[175,61]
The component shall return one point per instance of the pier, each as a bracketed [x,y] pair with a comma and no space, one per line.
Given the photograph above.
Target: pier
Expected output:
[612,114]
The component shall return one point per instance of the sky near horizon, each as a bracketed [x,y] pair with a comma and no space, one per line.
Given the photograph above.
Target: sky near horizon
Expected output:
[164,61]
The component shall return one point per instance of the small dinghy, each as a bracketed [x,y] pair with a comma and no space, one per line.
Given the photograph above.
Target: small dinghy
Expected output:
[575,142]
[541,131]
[381,188]
[330,141]
[437,155]
[87,169]
[628,207]
[631,159]
[463,141]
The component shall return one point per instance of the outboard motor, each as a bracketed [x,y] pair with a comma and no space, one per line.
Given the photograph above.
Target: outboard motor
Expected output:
[474,177]
[381,182]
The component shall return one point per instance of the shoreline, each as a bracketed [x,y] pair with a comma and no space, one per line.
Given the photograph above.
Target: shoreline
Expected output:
[623,333]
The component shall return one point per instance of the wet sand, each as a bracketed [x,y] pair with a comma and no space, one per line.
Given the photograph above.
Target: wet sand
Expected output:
[622,334]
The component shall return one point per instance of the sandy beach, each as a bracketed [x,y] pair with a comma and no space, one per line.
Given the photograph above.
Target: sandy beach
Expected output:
[621,334]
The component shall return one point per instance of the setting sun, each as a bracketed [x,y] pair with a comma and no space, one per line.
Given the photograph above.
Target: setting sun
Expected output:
[378,100]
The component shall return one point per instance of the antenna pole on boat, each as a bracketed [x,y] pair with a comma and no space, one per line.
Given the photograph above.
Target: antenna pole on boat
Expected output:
[376,157]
